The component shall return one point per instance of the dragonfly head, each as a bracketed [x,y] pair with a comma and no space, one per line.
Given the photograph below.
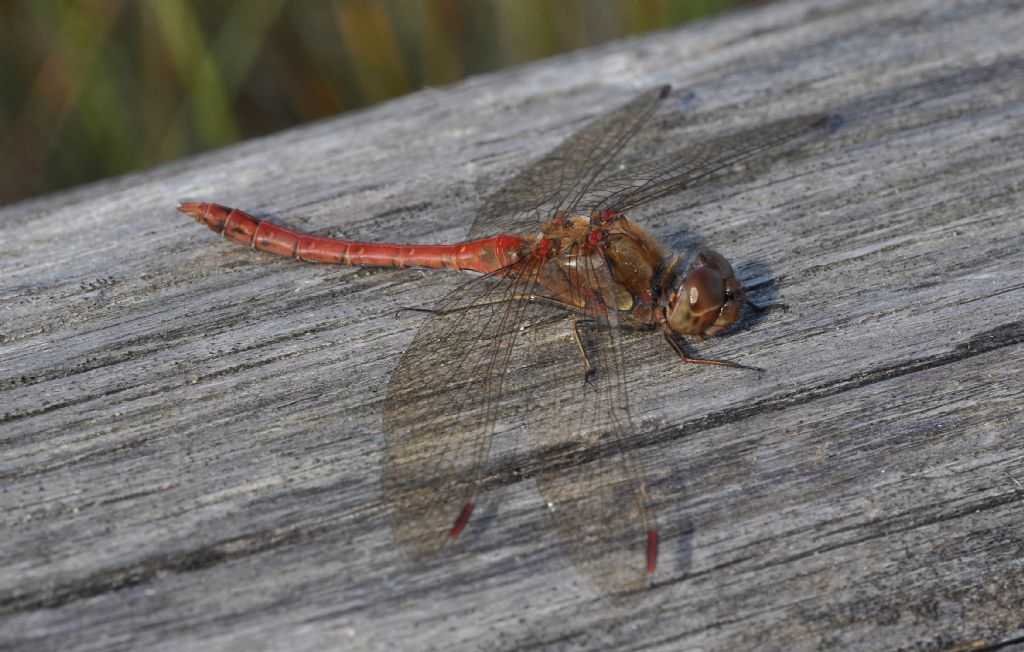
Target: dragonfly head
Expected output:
[706,300]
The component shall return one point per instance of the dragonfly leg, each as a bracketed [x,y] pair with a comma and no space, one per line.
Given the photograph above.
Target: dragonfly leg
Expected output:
[755,307]
[690,360]
[759,309]
[535,298]
[477,304]
[411,309]
[588,369]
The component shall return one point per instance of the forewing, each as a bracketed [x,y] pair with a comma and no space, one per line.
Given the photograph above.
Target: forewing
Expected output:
[442,402]
[622,190]
[561,177]
[584,440]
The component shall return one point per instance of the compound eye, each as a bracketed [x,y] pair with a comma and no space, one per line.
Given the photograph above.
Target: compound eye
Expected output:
[705,291]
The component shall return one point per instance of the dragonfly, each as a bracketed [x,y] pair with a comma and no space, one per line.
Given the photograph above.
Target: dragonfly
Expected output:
[557,276]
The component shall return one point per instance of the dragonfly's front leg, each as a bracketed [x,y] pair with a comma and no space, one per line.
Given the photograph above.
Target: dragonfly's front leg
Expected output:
[755,307]
[678,348]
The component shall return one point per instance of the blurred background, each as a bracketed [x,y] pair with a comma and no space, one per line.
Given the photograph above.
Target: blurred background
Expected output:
[98,88]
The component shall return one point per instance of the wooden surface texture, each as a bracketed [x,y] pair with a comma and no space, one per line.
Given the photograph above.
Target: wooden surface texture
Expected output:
[190,432]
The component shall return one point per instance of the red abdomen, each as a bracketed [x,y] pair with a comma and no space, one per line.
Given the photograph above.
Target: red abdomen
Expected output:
[485,255]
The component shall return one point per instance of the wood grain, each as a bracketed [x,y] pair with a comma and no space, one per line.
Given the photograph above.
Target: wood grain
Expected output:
[190,434]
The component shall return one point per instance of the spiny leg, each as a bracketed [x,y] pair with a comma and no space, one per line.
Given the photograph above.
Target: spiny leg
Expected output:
[534,298]
[402,309]
[588,368]
[761,309]
[755,307]
[690,360]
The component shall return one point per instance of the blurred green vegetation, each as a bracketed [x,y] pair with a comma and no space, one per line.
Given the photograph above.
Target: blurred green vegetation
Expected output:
[90,89]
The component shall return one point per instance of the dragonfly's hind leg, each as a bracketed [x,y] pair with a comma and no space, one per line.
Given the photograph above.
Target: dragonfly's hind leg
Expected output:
[533,298]
[678,348]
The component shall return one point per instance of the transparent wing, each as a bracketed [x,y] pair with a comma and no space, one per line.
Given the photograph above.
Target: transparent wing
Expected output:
[561,177]
[580,427]
[466,371]
[442,403]
[622,190]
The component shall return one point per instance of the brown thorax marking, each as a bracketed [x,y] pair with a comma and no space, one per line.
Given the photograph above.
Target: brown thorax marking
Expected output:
[635,260]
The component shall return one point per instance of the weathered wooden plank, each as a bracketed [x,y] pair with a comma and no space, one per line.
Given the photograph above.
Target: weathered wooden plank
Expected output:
[191,435]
